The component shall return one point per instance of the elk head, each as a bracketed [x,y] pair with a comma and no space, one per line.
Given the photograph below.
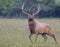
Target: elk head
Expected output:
[31,14]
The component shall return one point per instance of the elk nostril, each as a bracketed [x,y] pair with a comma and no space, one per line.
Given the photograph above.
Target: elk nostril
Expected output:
[30,17]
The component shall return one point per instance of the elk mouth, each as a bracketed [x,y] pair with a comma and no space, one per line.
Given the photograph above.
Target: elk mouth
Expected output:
[30,20]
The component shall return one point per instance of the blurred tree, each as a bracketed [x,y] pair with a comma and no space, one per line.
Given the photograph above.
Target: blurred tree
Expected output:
[6,5]
[12,8]
[57,2]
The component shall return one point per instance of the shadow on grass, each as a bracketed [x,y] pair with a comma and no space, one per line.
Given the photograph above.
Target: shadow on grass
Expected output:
[36,45]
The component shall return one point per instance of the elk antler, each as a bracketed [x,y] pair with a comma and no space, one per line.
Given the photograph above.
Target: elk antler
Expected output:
[24,11]
[38,10]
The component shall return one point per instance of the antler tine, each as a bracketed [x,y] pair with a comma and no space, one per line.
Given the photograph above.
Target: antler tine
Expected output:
[23,9]
[22,6]
[38,10]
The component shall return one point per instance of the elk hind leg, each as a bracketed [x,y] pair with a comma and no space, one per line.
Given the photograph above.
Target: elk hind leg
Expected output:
[53,36]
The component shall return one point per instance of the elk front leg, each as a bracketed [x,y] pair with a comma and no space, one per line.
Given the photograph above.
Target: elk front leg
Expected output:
[36,32]
[36,38]
[30,37]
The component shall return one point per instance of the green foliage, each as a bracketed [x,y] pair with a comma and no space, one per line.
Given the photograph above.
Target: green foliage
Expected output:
[10,6]
[57,2]
[47,4]
[6,4]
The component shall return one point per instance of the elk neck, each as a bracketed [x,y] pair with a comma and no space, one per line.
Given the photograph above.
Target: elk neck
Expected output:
[30,18]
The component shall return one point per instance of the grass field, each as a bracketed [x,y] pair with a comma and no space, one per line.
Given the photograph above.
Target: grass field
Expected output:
[15,33]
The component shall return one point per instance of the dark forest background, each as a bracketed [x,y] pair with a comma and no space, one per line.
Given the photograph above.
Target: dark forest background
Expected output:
[12,8]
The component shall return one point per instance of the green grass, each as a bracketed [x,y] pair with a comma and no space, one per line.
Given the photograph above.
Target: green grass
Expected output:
[15,33]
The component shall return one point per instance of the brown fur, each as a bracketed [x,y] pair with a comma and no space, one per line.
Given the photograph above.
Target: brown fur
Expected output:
[39,27]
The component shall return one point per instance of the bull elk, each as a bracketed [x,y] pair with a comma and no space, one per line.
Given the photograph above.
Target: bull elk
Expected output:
[37,27]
